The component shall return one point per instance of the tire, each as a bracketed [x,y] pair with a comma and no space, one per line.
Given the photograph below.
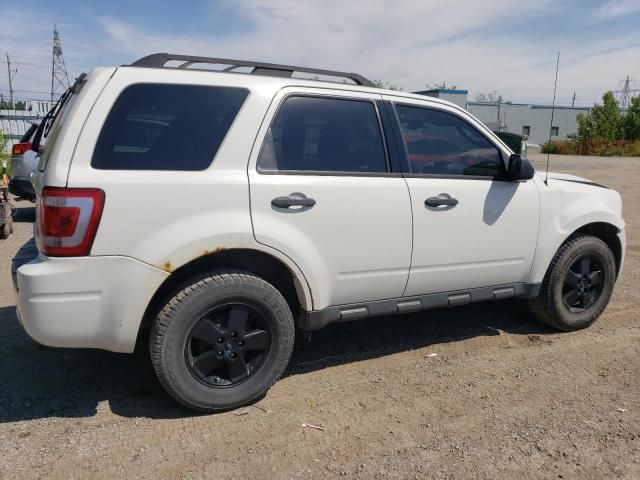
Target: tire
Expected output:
[205,343]
[7,225]
[10,218]
[571,301]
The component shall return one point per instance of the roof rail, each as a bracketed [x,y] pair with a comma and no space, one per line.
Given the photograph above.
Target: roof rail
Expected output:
[158,60]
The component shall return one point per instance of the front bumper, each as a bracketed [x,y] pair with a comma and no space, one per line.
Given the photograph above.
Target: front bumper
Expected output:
[84,302]
[622,238]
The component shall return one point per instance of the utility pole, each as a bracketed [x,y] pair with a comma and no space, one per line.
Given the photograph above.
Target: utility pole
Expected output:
[10,80]
[59,77]
[573,101]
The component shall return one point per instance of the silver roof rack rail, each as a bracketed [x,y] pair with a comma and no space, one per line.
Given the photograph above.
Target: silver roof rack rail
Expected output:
[159,60]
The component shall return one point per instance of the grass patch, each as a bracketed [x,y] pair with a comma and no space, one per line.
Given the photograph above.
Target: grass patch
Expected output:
[597,147]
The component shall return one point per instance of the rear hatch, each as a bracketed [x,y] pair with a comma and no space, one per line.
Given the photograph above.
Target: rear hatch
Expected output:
[62,126]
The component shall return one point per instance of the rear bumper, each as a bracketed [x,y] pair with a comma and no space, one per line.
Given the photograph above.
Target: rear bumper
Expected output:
[85,302]
[22,187]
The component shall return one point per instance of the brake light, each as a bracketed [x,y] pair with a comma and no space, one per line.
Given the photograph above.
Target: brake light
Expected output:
[20,148]
[68,220]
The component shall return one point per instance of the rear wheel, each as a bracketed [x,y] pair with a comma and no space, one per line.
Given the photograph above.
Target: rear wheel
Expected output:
[577,286]
[222,342]
[6,221]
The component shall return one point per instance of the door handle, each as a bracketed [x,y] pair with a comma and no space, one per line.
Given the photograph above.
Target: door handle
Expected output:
[288,202]
[441,201]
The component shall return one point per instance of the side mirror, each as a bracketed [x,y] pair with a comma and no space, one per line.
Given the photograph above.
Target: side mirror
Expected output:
[519,169]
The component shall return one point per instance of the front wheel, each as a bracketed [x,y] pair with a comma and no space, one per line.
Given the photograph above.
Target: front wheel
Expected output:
[222,342]
[578,285]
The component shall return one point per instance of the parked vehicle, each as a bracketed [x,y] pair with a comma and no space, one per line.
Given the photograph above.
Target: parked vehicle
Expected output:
[300,202]
[24,161]
[6,209]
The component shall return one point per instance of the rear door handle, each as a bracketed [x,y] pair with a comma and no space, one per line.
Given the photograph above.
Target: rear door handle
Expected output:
[441,201]
[288,202]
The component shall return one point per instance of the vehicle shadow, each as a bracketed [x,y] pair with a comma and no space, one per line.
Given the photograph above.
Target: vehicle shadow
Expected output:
[42,383]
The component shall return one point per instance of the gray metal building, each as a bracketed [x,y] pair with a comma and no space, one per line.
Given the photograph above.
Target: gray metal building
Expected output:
[459,97]
[529,120]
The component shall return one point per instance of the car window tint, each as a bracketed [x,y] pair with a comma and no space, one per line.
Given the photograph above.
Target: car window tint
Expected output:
[166,127]
[440,143]
[324,134]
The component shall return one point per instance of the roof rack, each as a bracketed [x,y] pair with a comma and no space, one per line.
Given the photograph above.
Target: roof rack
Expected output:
[158,60]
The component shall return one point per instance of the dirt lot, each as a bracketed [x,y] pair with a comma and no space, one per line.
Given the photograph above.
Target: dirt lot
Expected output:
[504,397]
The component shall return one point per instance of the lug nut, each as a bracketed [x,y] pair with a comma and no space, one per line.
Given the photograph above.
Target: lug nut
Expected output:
[220,339]
[233,334]
[220,353]
[233,355]
[240,343]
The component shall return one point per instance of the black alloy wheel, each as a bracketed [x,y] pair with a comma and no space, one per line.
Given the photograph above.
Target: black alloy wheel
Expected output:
[577,285]
[583,283]
[227,345]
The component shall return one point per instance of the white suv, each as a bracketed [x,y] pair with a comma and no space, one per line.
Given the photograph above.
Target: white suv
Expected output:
[220,208]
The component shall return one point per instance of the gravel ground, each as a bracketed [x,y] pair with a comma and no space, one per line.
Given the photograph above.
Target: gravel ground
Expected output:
[503,397]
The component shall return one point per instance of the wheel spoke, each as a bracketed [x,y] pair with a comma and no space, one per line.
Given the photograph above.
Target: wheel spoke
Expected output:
[595,277]
[570,297]
[587,298]
[256,340]
[571,278]
[207,331]
[585,265]
[237,368]
[237,319]
[206,362]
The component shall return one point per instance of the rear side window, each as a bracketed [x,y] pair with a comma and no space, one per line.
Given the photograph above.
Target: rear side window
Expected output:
[166,127]
[325,135]
[440,143]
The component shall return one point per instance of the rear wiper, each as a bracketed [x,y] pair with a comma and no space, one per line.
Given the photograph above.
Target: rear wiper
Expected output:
[47,122]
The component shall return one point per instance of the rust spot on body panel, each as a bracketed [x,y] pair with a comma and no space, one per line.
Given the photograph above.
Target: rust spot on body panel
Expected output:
[167,267]
[214,251]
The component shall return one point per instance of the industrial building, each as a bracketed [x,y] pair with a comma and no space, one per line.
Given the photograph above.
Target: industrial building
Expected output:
[529,120]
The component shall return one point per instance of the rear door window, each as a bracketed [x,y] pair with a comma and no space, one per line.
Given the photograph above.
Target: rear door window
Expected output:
[322,134]
[166,127]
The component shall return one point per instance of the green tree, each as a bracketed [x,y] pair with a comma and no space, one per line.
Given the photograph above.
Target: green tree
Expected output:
[441,86]
[585,126]
[631,120]
[604,121]
[3,141]
[387,85]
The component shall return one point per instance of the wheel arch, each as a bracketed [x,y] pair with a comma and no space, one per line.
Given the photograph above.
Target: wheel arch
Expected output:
[606,232]
[289,283]
[602,229]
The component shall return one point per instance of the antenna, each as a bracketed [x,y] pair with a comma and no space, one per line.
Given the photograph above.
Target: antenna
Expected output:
[59,77]
[553,107]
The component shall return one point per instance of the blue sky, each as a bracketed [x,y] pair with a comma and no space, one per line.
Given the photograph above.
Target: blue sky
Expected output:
[504,45]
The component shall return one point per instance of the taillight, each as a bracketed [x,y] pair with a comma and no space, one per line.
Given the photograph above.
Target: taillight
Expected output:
[20,148]
[68,219]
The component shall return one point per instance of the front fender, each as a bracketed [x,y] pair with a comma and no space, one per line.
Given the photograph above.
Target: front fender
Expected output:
[559,224]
